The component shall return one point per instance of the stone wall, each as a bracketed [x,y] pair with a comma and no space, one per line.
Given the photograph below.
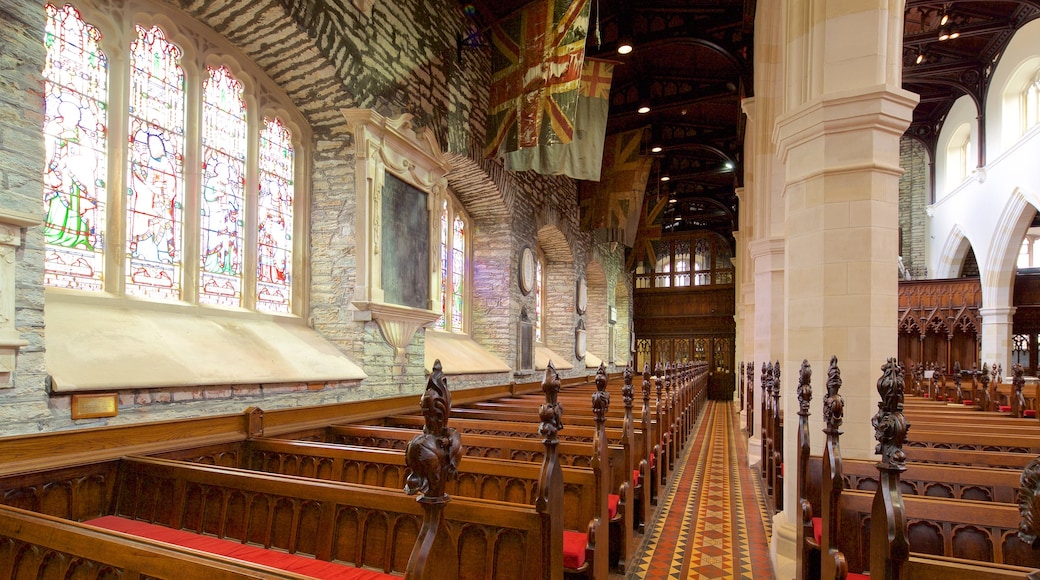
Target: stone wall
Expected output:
[326,55]
[914,197]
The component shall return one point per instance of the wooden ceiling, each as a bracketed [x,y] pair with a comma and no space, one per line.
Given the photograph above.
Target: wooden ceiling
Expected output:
[693,61]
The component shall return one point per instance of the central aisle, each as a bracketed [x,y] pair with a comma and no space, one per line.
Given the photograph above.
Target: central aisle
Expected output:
[710,522]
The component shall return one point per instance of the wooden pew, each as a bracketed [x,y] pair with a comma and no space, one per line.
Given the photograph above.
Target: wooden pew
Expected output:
[34,545]
[960,538]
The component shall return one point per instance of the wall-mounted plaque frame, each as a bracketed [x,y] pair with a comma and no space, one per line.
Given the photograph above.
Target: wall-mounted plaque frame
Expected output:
[400,181]
[581,295]
[527,267]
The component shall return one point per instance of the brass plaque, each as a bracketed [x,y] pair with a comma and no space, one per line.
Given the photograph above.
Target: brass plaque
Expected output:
[91,406]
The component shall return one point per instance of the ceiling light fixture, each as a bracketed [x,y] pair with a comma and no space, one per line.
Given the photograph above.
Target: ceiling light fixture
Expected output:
[643,109]
[920,57]
[624,47]
[665,178]
[656,149]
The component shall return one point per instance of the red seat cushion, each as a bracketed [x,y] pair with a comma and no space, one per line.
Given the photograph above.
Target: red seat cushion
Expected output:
[233,549]
[574,549]
[635,478]
[968,402]
[817,530]
[653,458]
[612,502]
[1029,413]
[855,576]
[1005,408]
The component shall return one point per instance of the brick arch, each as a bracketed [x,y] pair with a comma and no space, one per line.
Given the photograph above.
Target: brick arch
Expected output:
[479,187]
[554,242]
[276,43]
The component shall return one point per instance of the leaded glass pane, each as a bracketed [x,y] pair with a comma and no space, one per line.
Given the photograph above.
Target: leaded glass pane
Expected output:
[275,219]
[443,321]
[155,184]
[458,268]
[75,143]
[538,300]
[702,262]
[682,263]
[223,189]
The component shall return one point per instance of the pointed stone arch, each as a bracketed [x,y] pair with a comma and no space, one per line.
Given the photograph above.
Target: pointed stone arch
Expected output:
[997,269]
[954,252]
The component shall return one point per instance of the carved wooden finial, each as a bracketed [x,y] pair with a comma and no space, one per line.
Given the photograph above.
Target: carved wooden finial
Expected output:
[833,403]
[804,388]
[550,412]
[985,375]
[646,382]
[1029,504]
[433,456]
[890,425]
[601,398]
[1018,379]
[776,377]
[627,392]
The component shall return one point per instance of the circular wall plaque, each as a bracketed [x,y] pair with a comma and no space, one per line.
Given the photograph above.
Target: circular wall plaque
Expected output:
[526,271]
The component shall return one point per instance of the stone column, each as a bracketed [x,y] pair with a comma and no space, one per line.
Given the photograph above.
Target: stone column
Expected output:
[839,142]
[768,258]
[996,335]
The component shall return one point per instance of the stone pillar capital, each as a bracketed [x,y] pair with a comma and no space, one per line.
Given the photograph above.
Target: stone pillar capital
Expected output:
[997,314]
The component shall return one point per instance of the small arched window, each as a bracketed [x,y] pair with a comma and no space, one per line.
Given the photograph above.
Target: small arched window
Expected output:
[1031,103]
[454,262]
[959,156]
[539,296]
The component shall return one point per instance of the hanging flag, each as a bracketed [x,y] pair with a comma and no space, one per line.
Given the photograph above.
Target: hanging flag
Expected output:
[536,63]
[583,156]
[611,207]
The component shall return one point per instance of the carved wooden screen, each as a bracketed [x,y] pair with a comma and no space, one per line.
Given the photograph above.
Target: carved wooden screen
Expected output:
[683,351]
[643,352]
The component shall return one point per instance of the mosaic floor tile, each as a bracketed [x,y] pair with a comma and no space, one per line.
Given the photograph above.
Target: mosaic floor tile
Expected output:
[712,521]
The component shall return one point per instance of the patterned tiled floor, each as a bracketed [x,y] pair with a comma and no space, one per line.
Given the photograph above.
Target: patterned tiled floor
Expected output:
[710,523]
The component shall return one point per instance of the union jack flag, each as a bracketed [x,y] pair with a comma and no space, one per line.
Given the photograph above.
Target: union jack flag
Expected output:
[536,63]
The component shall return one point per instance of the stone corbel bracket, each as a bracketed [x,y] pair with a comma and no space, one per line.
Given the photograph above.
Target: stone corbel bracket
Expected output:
[11,225]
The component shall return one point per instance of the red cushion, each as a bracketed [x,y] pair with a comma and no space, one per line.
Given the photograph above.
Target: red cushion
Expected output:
[574,549]
[1005,408]
[653,458]
[968,402]
[233,549]
[817,530]
[635,478]
[1029,413]
[612,502]
[926,395]
[855,576]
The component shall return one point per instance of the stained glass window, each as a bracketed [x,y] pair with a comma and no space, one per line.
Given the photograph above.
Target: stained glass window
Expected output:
[223,189]
[155,183]
[275,219]
[453,268]
[443,321]
[458,265]
[538,299]
[75,143]
[157,245]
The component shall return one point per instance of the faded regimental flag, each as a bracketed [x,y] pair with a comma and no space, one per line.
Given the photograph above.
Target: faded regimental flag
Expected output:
[537,58]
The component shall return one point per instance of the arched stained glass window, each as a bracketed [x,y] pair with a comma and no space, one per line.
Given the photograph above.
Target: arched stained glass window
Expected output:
[154,249]
[223,188]
[155,182]
[453,268]
[458,265]
[275,218]
[538,310]
[445,265]
[76,145]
